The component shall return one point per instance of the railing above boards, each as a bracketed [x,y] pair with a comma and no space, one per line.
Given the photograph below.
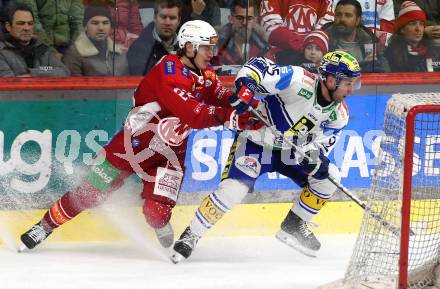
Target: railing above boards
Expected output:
[131,82]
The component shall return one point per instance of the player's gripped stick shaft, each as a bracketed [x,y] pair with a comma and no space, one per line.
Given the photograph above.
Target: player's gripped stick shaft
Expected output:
[343,189]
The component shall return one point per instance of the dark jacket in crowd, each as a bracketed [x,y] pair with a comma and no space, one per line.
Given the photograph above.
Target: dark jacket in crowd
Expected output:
[145,52]
[36,59]
[210,14]
[83,58]
[431,9]
[364,44]
[228,53]
[402,58]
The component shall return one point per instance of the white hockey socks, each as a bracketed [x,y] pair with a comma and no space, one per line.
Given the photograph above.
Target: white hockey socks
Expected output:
[229,193]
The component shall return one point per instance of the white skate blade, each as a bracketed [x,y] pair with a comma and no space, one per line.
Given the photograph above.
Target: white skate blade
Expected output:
[176,257]
[22,248]
[293,243]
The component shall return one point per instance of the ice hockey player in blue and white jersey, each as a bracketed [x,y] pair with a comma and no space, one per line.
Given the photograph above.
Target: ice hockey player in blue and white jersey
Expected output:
[307,109]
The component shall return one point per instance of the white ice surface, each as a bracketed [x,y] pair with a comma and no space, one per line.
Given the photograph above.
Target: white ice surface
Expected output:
[218,263]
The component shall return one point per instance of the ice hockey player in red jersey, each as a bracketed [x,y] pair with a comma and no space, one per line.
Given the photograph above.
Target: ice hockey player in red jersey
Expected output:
[287,22]
[179,93]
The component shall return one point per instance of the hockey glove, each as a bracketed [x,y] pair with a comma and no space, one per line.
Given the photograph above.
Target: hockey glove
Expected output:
[242,100]
[316,165]
[244,121]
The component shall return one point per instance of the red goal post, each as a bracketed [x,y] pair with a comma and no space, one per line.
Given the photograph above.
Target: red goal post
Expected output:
[407,182]
[405,191]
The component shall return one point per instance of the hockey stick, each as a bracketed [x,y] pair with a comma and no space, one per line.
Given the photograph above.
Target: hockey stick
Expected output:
[393,229]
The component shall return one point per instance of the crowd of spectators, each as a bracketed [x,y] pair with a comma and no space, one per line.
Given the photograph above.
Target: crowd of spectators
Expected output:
[111,37]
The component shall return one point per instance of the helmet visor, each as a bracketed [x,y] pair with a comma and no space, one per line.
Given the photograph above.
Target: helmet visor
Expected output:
[209,48]
[351,82]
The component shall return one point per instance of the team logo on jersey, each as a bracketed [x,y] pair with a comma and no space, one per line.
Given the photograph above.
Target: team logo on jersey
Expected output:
[301,18]
[171,131]
[248,165]
[170,67]
[307,94]
[302,127]
[185,72]
[209,74]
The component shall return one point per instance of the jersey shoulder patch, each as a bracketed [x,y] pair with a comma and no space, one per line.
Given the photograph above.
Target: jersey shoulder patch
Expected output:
[169,67]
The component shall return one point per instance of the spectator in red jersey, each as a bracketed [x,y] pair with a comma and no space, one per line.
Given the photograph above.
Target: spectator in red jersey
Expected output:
[179,93]
[409,49]
[238,40]
[287,22]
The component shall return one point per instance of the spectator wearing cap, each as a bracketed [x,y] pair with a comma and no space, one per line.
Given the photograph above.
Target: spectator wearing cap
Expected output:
[409,49]
[239,40]
[432,11]
[349,34]
[94,52]
[314,47]
[57,23]
[23,55]
[127,24]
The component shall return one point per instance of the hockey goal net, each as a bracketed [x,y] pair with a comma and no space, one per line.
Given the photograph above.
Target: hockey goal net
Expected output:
[405,191]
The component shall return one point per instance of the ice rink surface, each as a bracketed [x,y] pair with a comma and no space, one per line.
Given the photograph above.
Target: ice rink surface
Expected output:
[218,263]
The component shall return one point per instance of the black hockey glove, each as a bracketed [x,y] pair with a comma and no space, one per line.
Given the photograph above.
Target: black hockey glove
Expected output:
[316,165]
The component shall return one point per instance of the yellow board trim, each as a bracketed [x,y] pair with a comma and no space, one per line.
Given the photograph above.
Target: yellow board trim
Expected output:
[243,220]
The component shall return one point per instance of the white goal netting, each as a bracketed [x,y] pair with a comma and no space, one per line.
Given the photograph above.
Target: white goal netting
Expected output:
[375,259]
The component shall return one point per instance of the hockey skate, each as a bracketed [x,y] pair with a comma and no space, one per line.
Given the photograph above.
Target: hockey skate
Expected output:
[295,233]
[33,237]
[184,246]
[165,235]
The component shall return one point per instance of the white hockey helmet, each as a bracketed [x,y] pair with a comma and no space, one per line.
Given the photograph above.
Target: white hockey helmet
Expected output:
[197,32]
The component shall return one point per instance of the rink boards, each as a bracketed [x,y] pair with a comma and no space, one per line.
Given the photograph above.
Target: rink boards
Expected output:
[43,154]
[118,223]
